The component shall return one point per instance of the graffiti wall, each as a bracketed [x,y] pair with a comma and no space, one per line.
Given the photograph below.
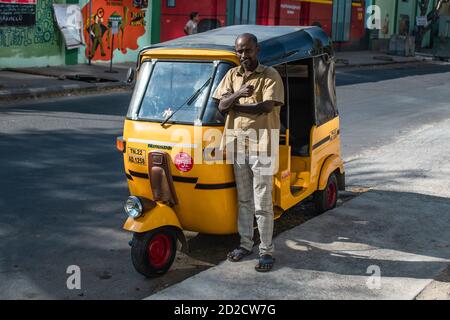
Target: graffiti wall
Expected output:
[123,23]
[40,40]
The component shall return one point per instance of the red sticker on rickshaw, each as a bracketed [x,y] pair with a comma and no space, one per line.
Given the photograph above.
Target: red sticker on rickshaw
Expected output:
[183,162]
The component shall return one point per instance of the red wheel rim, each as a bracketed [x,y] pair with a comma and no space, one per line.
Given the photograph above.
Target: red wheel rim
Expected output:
[159,250]
[331,195]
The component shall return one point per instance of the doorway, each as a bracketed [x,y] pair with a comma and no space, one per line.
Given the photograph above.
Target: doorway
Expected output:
[241,12]
[342,16]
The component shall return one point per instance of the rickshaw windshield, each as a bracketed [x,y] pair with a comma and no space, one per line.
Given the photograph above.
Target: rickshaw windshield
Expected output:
[179,85]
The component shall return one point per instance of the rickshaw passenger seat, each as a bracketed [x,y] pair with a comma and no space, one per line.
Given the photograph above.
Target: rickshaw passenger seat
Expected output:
[302,151]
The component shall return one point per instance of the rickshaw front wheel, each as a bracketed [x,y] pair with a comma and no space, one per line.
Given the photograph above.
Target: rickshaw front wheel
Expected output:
[153,252]
[326,199]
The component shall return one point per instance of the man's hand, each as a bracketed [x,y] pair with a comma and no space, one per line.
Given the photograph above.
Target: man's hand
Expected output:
[246,91]
[228,99]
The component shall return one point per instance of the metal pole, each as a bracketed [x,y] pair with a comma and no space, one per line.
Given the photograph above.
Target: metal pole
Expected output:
[288,105]
[112,53]
[89,33]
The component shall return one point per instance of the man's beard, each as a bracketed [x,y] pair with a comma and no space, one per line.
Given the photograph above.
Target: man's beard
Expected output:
[248,64]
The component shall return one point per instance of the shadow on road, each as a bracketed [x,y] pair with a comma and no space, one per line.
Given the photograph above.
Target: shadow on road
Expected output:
[61,205]
[406,235]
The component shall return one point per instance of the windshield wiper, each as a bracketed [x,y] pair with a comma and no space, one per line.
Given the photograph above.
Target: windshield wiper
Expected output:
[189,100]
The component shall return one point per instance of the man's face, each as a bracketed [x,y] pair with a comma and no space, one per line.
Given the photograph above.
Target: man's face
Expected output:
[247,52]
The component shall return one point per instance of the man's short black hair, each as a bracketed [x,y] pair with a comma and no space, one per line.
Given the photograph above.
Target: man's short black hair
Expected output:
[249,36]
[193,15]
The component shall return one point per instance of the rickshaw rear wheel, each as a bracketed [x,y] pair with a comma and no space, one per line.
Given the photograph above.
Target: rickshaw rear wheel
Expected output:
[326,199]
[153,252]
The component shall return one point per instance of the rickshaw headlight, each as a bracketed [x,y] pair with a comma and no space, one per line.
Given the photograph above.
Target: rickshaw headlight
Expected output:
[133,207]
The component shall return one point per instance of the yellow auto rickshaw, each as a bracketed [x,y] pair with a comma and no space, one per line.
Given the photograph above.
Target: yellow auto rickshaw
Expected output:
[171,121]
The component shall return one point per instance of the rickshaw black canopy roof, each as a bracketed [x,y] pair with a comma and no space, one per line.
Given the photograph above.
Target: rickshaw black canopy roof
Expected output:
[279,44]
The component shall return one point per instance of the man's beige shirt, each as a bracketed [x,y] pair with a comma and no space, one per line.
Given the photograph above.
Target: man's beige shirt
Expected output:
[268,87]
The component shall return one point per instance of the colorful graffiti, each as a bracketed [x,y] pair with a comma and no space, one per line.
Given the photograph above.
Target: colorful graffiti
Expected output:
[43,32]
[99,28]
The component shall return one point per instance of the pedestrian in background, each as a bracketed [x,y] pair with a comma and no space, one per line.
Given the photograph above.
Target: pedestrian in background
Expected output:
[191,25]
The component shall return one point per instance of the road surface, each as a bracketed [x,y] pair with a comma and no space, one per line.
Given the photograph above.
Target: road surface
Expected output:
[63,186]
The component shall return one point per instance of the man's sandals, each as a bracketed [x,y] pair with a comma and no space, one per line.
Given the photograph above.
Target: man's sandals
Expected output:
[265,263]
[238,254]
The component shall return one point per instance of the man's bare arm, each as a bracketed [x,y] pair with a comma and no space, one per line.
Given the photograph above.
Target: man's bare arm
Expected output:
[256,108]
[228,99]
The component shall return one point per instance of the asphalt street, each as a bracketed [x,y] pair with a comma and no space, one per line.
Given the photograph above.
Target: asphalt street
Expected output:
[63,185]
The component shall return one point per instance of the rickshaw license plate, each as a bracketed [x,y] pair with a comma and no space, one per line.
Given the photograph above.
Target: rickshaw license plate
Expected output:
[136,156]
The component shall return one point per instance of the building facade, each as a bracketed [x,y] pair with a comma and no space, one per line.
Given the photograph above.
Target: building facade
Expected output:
[30,42]
[398,18]
[39,41]
[343,20]
[122,27]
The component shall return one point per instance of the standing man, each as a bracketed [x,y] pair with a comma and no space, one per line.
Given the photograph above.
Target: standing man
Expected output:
[252,95]
[191,25]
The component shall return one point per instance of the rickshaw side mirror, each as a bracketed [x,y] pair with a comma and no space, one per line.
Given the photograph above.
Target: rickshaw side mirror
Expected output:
[130,75]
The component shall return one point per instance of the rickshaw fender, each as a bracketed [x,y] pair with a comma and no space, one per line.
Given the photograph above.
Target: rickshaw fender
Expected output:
[158,217]
[332,163]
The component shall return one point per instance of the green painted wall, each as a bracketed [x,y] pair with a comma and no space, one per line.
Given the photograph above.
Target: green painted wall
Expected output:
[427,38]
[388,17]
[156,21]
[39,45]
[43,45]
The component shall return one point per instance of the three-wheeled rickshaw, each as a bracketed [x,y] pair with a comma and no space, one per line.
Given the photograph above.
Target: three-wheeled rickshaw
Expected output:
[171,120]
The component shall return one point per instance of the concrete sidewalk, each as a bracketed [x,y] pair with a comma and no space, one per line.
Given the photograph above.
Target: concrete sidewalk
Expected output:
[372,58]
[399,229]
[334,255]
[38,82]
